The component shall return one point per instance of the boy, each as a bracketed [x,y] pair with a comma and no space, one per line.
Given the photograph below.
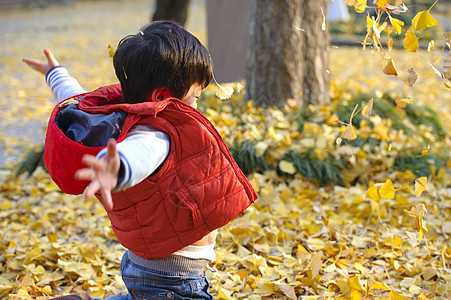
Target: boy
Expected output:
[170,181]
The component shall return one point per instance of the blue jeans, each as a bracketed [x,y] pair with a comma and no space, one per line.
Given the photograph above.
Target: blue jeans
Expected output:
[145,282]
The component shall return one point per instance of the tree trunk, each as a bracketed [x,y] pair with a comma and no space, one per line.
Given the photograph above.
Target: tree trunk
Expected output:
[288,53]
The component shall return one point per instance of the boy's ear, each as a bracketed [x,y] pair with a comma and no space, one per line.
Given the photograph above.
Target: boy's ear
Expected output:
[158,95]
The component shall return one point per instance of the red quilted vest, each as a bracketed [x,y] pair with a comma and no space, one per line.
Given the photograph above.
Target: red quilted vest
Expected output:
[198,188]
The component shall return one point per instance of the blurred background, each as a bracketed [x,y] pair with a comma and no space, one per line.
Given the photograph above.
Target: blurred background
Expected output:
[79,31]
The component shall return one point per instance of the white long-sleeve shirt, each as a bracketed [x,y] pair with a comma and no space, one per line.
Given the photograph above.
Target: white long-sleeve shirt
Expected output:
[143,149]
[141,152]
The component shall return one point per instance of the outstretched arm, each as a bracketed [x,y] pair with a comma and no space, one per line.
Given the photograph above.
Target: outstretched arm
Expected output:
[102,172]
[63,85]
[42,66]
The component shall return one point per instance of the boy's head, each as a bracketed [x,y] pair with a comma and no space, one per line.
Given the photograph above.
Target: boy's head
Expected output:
[161,55]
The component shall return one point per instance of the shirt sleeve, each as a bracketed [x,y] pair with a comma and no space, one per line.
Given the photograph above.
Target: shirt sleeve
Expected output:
[63,85]
[142,151]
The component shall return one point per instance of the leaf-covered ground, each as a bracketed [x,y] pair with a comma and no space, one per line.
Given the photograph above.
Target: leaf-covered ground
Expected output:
[303,237]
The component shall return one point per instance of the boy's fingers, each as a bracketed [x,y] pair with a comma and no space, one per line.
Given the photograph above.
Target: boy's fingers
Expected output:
[92,161]
[112,148]
[92,188]
[33,63]
[85,174]
[107,199]
[50,58]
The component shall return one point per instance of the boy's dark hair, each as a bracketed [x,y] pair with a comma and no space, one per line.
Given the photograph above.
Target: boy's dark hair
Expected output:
[162,55]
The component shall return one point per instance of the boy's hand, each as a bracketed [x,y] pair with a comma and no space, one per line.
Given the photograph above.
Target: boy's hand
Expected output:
[42,66]
[103,174]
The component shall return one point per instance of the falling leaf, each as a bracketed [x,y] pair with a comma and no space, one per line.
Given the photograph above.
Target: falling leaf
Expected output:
[420,185]
[418,212]
[424,19]
[111,51]
[425,151]
[387,190]
[411,77]
[287,167]
[381,4]
[349,133]
[360,6]
[373,193]
[410,41]
[396,9]
[431,46]
[390,68]
[368,108]
[397,24]
[224,93]
[402,102]
[436,71]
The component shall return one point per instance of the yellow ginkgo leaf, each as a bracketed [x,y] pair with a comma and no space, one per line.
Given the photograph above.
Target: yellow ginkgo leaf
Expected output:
[111,51]
[224,294]
[390,68]
[410,41]
[224,93]
[387,190]
[420,185]
[397,24]
[418,212]
[402,102]
[373,193]
[379,286]
[425,151]
[349,133]
[368,108]
[287,167]
[423,20]
[360,6]
[288,290]
[316,264]
[448,84]
[395,296]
